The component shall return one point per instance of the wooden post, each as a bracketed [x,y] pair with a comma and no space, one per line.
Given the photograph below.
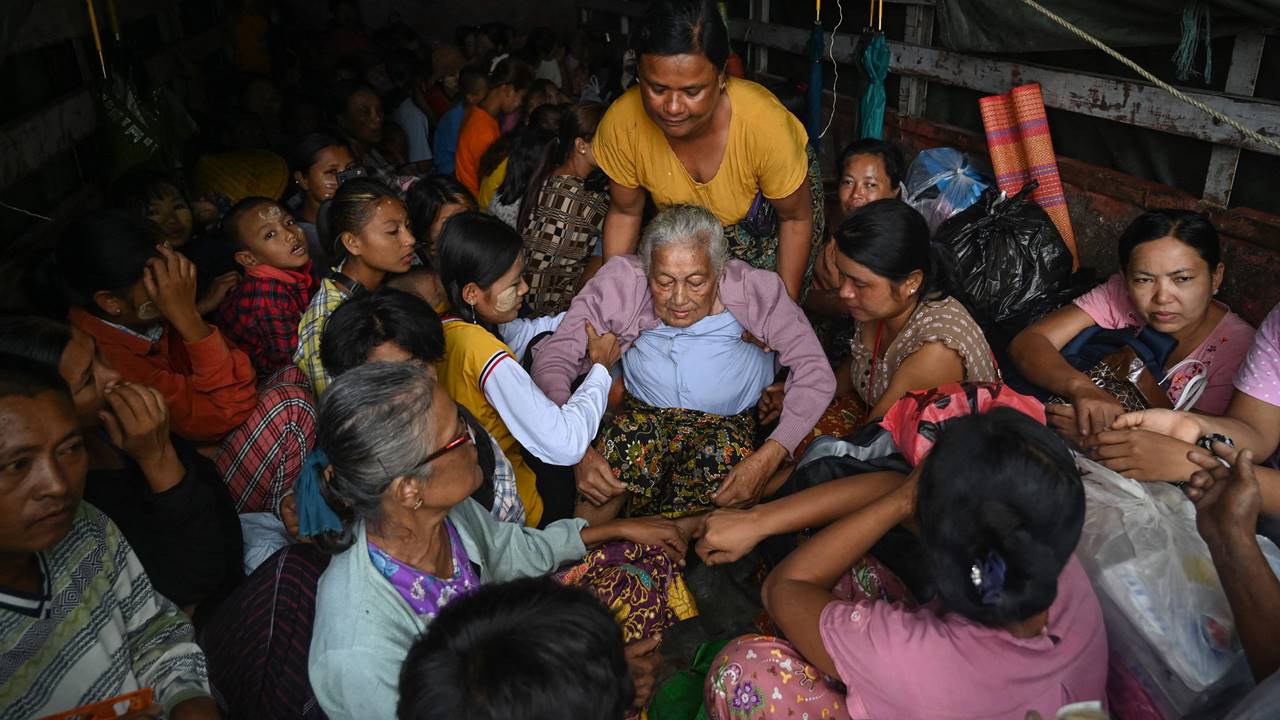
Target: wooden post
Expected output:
[1242,76]
[759,53]
[913,92]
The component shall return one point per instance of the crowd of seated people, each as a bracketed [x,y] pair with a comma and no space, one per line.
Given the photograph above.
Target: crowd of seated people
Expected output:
[423,408]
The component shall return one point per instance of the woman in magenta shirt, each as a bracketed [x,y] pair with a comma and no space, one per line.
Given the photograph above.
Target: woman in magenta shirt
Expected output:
[1015,626]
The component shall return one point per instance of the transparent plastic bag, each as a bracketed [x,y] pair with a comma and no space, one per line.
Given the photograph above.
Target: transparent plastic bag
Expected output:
[1168,621]
[940,183]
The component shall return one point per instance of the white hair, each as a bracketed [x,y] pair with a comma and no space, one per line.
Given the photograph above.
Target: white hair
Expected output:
[685,225]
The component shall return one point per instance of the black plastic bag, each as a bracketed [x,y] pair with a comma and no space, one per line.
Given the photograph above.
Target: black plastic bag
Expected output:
[1010,265]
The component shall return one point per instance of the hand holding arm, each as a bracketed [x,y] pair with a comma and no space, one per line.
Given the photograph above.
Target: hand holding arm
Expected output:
[798,590]
[594,478]
[769,408]
[744,484]
[659,531]
[602,349]
[1251,423]
[1142,455]
[728,534]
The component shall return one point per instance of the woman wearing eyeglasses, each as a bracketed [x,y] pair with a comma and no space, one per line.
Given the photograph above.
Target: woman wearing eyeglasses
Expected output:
[402,469]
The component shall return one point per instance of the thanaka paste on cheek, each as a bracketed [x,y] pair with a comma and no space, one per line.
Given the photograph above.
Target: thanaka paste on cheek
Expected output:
[507,300]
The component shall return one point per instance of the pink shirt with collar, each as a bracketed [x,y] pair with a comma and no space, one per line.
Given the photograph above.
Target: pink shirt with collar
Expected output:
[1221,352]
[617,300]
[899,663]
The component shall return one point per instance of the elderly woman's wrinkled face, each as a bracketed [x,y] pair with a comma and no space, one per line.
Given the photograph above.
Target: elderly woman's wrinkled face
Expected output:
[42,469]
[455,474]
[1171,285]
[684,285]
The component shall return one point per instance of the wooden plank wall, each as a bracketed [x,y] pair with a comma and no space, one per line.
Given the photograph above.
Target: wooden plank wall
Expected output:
[1102,200]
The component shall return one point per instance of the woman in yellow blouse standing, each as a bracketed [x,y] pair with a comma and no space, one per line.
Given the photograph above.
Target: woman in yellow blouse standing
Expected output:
[690,134]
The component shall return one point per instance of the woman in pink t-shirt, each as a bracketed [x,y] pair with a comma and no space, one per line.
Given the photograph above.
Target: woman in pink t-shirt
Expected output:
[1171,269]
[1015,627]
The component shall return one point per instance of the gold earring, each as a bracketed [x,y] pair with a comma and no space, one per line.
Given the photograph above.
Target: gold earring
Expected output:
[417,504]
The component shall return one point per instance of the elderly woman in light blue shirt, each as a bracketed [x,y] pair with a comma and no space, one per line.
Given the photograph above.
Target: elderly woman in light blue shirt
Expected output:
[704,367]
[684,439]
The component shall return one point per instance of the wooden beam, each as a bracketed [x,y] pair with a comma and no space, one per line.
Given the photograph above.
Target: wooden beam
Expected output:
[625,8]
[28,143]
[1102,96]
[1242,76]
[912,92]
[53,21]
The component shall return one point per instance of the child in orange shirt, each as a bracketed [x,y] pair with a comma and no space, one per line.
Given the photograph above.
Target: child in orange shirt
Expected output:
[508,82]
[136,298]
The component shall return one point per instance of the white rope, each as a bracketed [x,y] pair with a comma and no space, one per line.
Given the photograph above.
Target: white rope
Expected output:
[835,70]
[24,212]
[1221,117]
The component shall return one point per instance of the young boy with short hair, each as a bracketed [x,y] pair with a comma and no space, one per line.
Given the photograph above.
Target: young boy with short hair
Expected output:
[473,85]
[260,315]
[519,650]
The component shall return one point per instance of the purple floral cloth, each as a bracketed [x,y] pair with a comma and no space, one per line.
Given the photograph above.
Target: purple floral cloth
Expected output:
[426,593]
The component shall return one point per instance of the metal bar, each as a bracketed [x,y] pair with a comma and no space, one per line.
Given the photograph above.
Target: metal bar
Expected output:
[1242,76]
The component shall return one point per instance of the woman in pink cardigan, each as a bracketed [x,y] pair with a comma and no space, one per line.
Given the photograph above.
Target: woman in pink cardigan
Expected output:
[684,439]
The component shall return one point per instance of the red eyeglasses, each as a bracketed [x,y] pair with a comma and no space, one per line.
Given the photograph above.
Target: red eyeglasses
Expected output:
[462,439]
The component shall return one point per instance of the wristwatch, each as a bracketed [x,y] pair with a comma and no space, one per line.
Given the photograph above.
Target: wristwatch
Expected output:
[1207,441]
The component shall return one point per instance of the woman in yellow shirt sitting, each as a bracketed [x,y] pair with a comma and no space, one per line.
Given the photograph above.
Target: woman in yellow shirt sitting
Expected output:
[690,134]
